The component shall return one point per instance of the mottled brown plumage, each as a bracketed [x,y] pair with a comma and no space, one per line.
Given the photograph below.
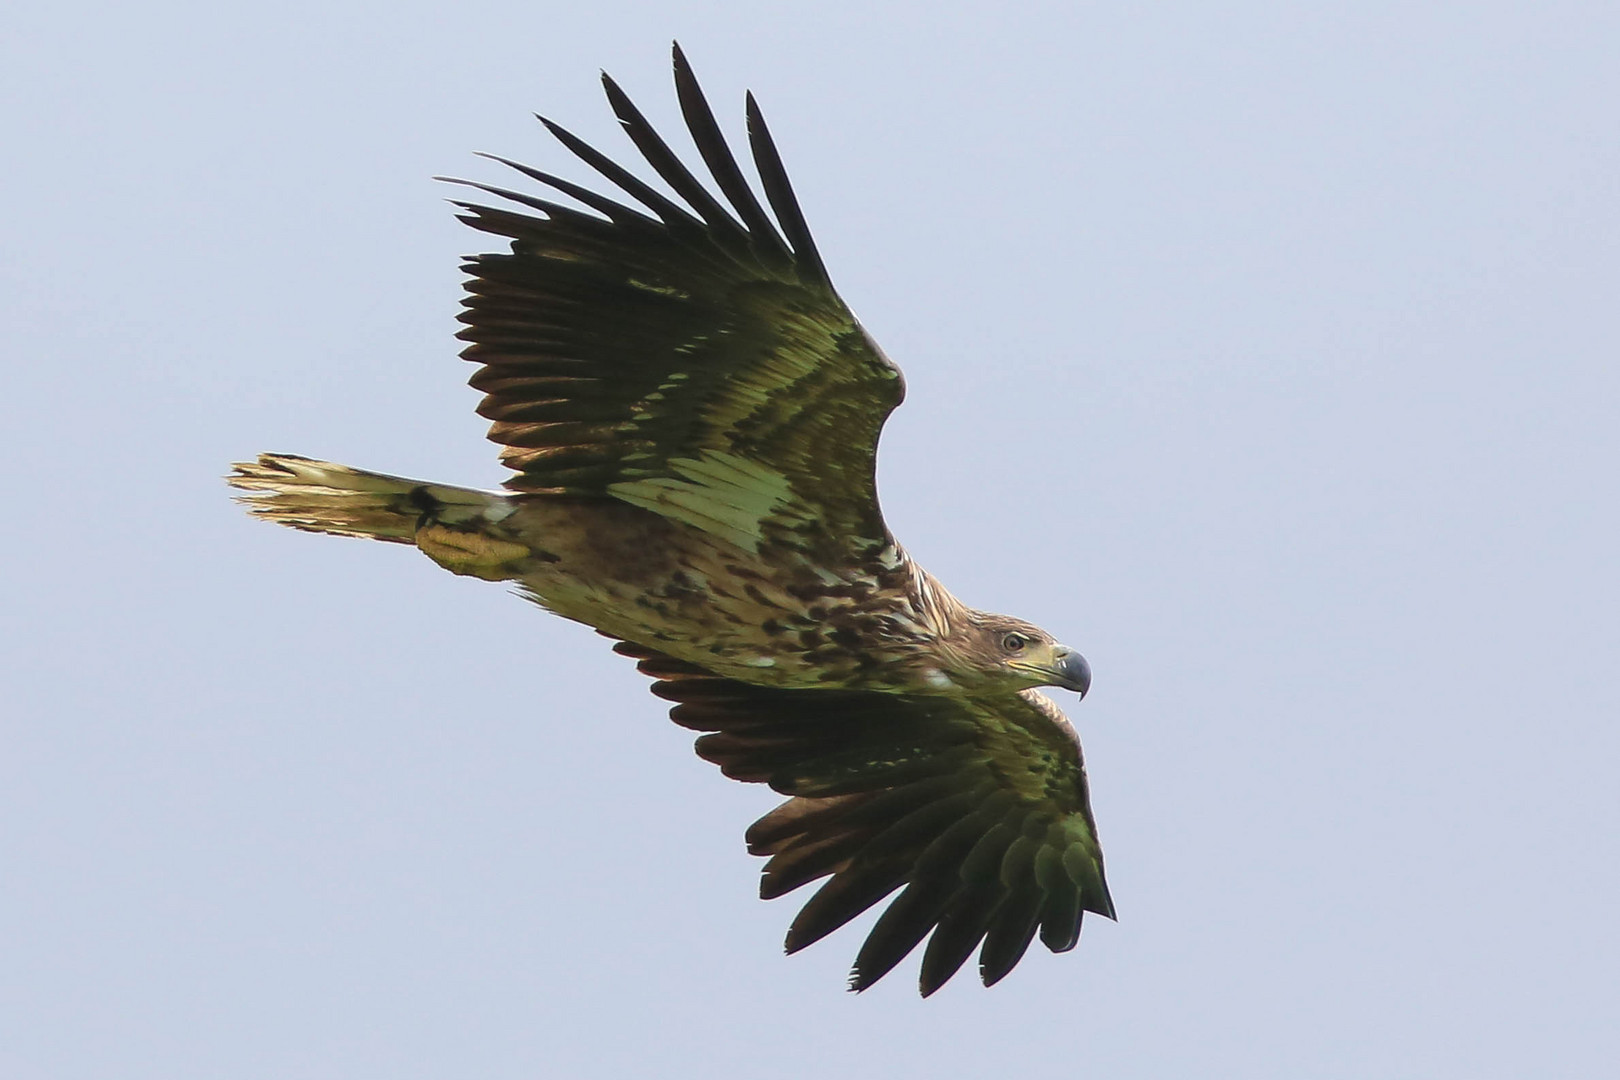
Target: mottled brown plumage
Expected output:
[692,415]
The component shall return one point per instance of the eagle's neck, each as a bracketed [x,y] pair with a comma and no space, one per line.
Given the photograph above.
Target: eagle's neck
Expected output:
[939,612]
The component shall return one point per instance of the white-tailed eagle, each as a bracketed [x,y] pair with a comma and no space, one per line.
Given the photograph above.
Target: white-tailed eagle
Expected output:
[692,414]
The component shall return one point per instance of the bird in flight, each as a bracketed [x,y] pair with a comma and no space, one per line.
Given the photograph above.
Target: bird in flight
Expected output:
[692,415]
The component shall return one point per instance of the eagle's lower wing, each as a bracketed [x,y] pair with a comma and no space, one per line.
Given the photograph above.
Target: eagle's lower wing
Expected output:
[695,362]
[978,807]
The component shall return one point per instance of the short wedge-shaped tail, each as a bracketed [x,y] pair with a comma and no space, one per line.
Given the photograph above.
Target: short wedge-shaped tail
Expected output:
[323,497]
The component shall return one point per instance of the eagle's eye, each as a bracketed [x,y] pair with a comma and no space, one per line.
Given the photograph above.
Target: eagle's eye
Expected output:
[1014,643]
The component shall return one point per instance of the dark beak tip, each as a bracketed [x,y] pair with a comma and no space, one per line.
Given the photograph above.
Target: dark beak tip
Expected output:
[1076,673]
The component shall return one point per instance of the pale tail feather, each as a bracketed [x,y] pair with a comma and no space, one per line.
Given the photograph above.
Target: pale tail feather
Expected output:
[319,496]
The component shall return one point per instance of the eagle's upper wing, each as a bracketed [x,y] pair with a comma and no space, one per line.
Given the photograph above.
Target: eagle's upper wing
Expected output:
[978,807]
[693,362]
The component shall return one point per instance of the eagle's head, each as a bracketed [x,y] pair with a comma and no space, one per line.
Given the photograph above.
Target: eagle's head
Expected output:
[999,651]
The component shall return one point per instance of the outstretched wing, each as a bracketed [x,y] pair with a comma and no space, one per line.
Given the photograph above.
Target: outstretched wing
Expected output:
[978,807]
[693,360]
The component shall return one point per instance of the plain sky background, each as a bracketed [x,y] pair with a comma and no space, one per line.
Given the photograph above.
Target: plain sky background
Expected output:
[1264,351]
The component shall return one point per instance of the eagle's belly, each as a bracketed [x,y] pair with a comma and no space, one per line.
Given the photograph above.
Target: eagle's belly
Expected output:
[771,617]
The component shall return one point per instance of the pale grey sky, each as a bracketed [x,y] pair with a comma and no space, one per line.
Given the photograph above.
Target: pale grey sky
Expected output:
[1266,353]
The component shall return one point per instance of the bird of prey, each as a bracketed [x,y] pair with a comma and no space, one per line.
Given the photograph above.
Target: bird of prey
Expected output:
[692,415]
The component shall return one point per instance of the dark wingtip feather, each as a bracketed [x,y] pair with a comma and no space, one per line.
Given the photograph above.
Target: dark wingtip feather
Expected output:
[1010,934]
[716,153]
[842,899]
[677,57]
[663,160]
[903,924]
[1060,920]
[959,932]
[779,191]
[615,211]
[666,209]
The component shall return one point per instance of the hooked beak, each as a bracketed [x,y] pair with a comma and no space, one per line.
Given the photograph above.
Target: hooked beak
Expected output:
[1073,673]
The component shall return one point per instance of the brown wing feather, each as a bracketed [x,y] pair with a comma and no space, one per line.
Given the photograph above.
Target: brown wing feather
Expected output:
[681,359]
[977,807]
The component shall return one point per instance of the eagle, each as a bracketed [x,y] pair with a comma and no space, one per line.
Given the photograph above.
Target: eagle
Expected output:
[691,414]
